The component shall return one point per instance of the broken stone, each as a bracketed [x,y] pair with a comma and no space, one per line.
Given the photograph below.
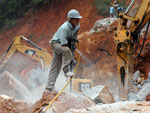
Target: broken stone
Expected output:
[136,75]
[64,102]
[143,93]
[100,94]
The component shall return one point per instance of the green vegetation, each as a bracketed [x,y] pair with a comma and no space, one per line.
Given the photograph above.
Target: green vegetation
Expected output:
[103,6]
[10,10]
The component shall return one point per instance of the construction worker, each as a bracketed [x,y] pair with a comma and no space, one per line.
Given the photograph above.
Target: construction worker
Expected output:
[63,45]
[112,11]
[119,10]
[115,5]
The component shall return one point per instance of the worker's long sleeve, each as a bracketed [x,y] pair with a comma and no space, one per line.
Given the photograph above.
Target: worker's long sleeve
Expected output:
[65,32]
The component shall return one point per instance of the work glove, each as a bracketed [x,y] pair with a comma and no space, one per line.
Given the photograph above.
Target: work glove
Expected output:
[73,64]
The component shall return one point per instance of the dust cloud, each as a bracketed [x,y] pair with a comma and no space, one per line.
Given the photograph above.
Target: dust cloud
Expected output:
[29,78]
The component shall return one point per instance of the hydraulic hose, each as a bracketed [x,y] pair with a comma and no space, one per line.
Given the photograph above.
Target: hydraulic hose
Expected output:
[138,38]
[143,40]
[75,69]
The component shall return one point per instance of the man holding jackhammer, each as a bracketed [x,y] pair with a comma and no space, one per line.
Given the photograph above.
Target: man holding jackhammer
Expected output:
[63,45]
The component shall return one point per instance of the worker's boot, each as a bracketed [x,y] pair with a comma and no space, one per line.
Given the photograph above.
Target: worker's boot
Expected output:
[50,90]
[68,70]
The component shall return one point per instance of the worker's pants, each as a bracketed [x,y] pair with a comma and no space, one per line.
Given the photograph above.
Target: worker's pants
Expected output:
[111,14]
[62,56]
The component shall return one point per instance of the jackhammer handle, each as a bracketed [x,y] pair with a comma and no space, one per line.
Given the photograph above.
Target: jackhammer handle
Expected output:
[57,95]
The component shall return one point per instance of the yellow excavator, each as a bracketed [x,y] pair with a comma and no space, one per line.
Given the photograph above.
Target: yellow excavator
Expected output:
[42,56]
[127,38]
[37,53]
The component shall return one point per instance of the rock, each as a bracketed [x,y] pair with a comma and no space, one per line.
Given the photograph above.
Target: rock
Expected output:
[102,24]
[100,94]
[136,75]
[71,100]
[9,105]
[143,93]
[14,88]
[148,79]
[64,102]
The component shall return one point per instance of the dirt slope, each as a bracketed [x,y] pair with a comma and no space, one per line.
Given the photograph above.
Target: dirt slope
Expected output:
[40,25]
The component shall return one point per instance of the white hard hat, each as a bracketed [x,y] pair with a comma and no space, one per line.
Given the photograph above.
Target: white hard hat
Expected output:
[74,14]
[115,2]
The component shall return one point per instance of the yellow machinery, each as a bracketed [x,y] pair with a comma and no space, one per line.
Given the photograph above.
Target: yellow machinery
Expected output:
[37,53]
[127,41]
[42,56]
[81,84]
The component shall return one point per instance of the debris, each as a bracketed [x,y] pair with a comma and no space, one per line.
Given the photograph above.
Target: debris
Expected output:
[143,93]
[9,105]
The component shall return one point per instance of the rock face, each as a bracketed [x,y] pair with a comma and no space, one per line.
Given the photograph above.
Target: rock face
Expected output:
[100,94]
[9,105]
[63,103]
[98,54]
[98,48]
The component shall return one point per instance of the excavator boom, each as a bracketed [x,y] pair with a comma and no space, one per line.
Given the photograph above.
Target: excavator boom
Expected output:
[37,53]
[126,36]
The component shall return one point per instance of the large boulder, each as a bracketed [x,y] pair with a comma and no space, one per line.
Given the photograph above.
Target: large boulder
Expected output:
[64,102]
[100,94]
[103,24]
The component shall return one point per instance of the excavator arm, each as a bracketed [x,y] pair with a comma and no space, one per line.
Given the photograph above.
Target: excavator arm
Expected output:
[126,37]
[37,53]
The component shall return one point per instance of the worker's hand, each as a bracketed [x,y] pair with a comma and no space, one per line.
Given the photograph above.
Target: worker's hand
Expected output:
[73,63]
